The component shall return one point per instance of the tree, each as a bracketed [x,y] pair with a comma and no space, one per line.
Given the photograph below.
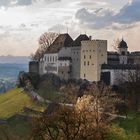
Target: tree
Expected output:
[69,93]
[67,124]
[45,40]
[88,119]
[116,44]
[131,87]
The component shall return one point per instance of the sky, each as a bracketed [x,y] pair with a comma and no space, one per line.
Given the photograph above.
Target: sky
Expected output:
[23,21]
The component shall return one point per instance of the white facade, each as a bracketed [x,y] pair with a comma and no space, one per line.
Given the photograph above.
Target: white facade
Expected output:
[64,63]
[98,55]
[50,63]
[86,61]
[65,52]
[123,59]
[93,55]
[118,76]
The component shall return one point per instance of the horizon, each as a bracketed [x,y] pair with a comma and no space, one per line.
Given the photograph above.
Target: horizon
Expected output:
[23,22]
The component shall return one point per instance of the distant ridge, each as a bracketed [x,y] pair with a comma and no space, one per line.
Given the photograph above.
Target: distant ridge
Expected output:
[14,59]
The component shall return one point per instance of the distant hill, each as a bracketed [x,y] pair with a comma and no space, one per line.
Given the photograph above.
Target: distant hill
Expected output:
[9,74]
[14,59]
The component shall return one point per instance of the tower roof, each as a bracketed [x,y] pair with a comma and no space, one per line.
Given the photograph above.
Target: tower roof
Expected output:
[122,44]
[77,41]
[63,40]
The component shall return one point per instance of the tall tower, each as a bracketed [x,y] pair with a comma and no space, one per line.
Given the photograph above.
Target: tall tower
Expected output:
[123,48]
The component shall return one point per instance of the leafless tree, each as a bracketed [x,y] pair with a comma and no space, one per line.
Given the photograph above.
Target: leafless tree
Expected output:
[131,87]
[45,40]
[87,119]
[115,44]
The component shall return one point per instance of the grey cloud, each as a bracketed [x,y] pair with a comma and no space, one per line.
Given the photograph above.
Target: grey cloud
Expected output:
[129,13]
[101,18]
[122,26]
[58,28]
[10,3]
[4,2]
[24,2]
[98,19]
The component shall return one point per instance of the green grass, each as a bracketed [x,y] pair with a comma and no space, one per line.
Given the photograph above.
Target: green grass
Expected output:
[48,93]
[118,133]
[130,125]
[126,129]
[14,101]
[20,127]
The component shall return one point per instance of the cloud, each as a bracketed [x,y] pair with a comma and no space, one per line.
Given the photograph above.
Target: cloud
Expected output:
[24,2]
[11,3]
[4,2]
[129,14]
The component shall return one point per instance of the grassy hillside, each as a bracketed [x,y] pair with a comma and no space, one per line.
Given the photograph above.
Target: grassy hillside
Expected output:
[14,101]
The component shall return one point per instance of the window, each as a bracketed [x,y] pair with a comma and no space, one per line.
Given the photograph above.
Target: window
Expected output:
[84,63]
[84,75]
[123,52]
[88,63]
[50,58]
[55,58]
[84,57]
[90,56]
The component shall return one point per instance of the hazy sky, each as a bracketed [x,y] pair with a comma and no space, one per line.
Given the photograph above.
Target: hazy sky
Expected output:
[23,21]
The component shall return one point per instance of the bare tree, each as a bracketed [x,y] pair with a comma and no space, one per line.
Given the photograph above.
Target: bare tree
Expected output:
[115,44]
[88,119]
[131,88]
[45,40]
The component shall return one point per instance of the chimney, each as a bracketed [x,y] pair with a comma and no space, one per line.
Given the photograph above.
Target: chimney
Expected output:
[90,37]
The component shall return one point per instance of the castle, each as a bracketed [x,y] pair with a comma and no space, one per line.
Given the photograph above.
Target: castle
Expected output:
[84,58]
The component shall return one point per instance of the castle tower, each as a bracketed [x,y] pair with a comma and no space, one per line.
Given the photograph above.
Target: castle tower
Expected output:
[122,47]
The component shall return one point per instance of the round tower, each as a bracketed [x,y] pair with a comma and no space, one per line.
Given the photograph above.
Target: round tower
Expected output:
[123,51]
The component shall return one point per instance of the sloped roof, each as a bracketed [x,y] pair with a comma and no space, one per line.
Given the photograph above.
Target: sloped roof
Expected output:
[63,40]
[122,44]
[77,41]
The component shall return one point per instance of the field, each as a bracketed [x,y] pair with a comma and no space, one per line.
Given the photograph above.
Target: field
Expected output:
[14,101]
[12,104]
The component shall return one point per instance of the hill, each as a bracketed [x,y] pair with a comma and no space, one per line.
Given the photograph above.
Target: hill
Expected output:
[14,101]
[14,59]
